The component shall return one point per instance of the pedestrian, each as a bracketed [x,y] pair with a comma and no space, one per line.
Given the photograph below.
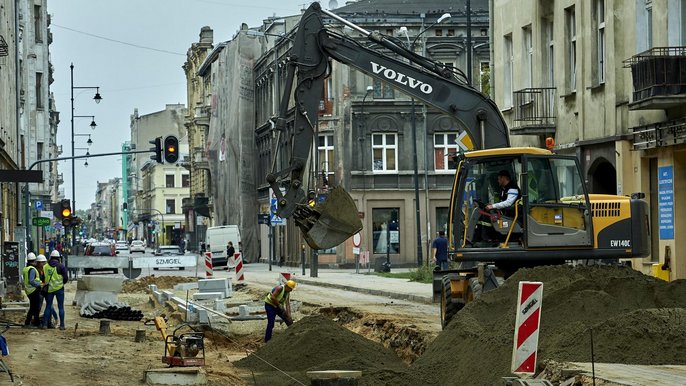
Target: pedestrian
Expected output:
[277,302]
[32,286]
[439,249]
[52,244]
[41,261]
[202,247]
[56,276]
[58,248]
[230,250]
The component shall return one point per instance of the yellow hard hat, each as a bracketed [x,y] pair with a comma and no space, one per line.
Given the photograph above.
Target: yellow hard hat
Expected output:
[291,284]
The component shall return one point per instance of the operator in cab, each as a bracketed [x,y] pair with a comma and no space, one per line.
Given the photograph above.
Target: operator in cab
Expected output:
[509,194]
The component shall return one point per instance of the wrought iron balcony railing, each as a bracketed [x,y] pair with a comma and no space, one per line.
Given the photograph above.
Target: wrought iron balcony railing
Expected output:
[534,111]
[659,77]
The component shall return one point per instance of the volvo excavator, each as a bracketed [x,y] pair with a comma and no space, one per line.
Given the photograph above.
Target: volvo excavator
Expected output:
[554,220]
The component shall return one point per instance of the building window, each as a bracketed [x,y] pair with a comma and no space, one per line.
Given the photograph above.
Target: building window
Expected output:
[507,82]
[439,32]
[383,90]
[37,24]
[384,150]
[169,180]
[326,154]
[485,78]
[570,19]
[551,53]
[39,90]
[527,57]
[599,21]
[386,228]
[171,206]
[442,218]
[185,180]
[445,146]
[39,150]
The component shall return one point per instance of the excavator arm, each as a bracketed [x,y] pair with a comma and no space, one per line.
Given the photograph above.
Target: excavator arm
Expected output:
[332,222]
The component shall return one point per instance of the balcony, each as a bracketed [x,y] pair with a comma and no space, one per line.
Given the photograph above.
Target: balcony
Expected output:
[535,112]
[661,134]
[659,78]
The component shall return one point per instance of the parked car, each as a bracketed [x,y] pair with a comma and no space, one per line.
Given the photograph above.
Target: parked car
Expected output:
[121,245]
[137,246]
[101,249]
[169,250]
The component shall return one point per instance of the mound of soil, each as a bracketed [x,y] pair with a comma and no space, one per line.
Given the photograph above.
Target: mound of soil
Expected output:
[162,282]
[635,319]
[317,343]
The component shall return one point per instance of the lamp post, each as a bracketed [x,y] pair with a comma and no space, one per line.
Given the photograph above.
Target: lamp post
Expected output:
[97,98]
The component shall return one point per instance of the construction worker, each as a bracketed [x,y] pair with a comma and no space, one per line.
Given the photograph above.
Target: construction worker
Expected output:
[32,285]
[509,194]
[277,302]
[56,276]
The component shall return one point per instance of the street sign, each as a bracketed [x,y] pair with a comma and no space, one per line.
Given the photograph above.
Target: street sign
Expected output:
[47,213]
[263,218]
[357,239]
[275,220]
[40,221]
[39,205]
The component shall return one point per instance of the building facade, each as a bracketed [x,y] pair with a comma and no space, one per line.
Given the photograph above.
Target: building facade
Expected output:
[196,207]
[365,141]
[601,78]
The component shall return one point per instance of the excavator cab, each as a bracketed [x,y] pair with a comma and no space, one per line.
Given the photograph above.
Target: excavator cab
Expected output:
[551,211]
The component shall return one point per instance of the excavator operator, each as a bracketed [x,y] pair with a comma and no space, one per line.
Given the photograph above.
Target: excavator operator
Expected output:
[509,194]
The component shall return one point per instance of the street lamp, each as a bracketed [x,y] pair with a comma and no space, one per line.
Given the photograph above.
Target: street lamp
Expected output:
[97,98]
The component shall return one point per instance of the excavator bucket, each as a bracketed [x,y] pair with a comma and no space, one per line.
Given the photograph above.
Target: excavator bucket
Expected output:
[330,223]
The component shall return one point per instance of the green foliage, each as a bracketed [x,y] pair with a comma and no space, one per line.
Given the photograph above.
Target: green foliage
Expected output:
[422,274]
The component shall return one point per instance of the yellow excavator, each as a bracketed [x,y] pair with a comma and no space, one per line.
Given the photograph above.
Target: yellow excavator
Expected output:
[554,219]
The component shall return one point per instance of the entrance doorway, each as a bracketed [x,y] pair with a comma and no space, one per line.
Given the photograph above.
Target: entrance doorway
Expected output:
[603,177]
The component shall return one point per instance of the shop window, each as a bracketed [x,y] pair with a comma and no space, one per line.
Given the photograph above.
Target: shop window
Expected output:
[386,228]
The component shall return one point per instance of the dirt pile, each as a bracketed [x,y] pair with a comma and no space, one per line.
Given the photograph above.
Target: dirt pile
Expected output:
[636,319]
[317,343]
[162,282]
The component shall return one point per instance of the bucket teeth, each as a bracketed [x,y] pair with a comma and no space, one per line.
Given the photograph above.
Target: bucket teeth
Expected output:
[330,223]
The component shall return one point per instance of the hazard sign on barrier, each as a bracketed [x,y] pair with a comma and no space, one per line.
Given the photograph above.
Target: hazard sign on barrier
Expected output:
[527,327]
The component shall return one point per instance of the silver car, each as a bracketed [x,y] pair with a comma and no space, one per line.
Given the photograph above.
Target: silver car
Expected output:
[137,246]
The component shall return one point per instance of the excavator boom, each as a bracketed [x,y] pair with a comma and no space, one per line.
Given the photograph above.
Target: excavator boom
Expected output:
[332,222]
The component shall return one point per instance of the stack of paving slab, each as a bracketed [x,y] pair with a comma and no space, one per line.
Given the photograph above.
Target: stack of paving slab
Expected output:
[211,289]
[92,288]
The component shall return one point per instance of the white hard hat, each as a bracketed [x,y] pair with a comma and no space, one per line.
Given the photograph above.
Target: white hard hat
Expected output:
[31,256]
[41,258]
[55,253]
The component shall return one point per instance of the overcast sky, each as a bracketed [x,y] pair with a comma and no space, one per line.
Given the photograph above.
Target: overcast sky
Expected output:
[100,38]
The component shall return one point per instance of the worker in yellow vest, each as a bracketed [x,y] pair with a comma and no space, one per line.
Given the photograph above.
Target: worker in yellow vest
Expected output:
[277,302]
[32,285]
[56,276]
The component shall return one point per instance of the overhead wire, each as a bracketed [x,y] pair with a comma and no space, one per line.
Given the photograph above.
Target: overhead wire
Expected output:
[118,41]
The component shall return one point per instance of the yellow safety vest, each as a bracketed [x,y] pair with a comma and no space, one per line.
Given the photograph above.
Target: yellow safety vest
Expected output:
[28,288]
[53,278]
[280,298]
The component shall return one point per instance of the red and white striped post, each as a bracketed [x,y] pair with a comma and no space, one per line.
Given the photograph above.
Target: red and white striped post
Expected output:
[208,264]
[527,326]
[238,258]
[284,277]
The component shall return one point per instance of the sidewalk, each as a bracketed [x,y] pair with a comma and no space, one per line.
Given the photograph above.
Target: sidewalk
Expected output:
[346,279]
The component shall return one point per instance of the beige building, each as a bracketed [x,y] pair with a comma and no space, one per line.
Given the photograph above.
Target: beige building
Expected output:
[604,80]
[164,188]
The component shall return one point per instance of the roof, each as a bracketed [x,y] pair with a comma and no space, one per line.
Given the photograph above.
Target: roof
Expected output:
[507,151]
[411,6]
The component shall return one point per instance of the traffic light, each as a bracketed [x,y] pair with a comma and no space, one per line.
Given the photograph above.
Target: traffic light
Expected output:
[157,150]
[65,212]
[171,149]
[124,207]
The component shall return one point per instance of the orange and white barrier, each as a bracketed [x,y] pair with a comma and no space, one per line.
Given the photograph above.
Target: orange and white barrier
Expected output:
[238,259]
[208,264]
[527,327]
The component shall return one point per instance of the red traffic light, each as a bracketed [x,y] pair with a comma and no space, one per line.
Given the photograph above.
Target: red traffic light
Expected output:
[157,149]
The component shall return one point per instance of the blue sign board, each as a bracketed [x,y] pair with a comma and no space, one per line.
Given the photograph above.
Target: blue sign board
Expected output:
[665,202]
[39,205]
[275,220]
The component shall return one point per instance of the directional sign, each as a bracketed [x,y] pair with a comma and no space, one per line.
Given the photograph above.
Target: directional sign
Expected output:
[263,218]
[39,205]
[40,221]
[275,220]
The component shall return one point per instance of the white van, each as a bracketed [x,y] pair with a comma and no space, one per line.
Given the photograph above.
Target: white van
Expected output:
[217,238]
